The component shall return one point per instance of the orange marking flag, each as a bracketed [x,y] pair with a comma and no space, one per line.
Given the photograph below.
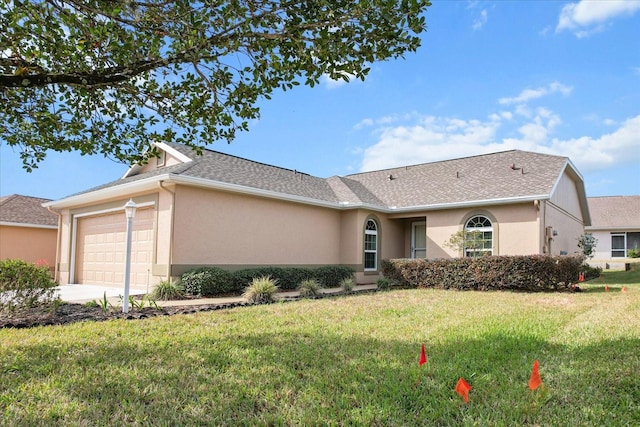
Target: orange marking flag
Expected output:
[534,380]
[606,288]
[423,356]
[462,388]
[624,289]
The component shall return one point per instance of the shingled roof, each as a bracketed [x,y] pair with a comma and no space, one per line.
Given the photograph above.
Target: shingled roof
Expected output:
[26,210]
[614,212]
[492,178]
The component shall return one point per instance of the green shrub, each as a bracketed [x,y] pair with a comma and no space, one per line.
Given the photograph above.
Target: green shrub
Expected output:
[309,288]
[166,291]
[633,253]
[261,290]
[208,281]
[347,284]
[383,284]
[591,272]
[330,276]
[528,273]
[287,277]
[24,285]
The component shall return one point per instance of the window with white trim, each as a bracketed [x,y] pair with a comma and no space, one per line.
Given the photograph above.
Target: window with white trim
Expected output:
[478,236]
[371,246]
[618,245]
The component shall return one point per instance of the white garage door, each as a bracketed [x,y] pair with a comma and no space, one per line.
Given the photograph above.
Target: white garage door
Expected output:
[101,247]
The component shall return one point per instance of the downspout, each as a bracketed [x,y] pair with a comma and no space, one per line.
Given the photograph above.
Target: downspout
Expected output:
[58,241]
[171,226]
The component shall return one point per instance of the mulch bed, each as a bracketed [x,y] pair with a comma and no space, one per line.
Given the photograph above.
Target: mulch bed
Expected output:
[71,313]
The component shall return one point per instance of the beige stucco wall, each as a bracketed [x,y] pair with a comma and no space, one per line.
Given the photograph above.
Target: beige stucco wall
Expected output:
[562,212]
[221,228]
[28,243]
[515,228]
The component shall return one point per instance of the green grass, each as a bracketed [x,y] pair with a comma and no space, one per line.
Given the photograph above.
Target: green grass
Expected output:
[339,361]
[618,277]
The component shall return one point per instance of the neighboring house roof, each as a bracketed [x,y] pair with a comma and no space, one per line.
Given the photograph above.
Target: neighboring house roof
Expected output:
[26,211]
[505,177]
[614,212]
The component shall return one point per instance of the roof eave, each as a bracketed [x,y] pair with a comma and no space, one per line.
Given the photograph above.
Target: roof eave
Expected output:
[109,192]
[470,203]
[613,228]
[28,225]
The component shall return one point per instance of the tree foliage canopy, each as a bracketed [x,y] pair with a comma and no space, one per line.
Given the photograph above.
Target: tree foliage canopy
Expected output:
[112,76]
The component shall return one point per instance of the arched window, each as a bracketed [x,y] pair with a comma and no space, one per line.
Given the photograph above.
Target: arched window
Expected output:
[371,246]
[478,236]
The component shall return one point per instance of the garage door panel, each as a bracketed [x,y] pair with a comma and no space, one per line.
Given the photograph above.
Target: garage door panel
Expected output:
[101,245]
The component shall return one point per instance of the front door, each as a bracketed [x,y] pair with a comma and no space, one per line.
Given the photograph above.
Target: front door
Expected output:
[419,239]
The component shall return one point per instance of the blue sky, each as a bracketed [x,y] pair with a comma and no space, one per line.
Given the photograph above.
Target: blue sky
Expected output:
[553,77]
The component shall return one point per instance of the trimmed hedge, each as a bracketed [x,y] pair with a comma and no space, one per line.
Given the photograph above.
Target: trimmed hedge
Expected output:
[207,281]
[211,281]
[526,273]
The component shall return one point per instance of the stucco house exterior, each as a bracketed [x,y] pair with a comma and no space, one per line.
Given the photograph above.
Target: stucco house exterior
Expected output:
[615,222]
[221,210]
[28,231]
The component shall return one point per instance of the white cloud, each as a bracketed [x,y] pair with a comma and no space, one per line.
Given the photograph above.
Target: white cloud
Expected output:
[479,22]
[430,138]
[590,16]
[529,94]
[330,83]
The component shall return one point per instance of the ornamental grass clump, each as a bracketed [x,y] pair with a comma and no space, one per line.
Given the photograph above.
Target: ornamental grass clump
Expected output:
[166,291]
[383,284]
[261,290]
[347,284]
[309,288]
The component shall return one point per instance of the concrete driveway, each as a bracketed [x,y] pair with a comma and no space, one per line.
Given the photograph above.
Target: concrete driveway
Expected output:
[84,293]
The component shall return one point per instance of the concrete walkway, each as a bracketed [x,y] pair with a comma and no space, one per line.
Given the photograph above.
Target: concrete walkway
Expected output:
[85,293]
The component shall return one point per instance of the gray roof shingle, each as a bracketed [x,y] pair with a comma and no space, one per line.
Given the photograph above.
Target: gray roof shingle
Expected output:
[504,175]
[26,210]
[615,212]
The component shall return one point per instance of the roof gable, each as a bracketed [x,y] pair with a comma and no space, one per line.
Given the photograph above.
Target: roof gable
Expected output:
[17,209]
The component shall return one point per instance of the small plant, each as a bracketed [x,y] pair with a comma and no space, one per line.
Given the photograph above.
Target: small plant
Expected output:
[103,303]
[309,288]
[633,253]
[383,284]
[347,284]
[261,290]
[166,291]
[587,244]
[92,304]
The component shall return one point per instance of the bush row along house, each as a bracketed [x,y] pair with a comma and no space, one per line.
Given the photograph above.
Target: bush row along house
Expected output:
[220,210]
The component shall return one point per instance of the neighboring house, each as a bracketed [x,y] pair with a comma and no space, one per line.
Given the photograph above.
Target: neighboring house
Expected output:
[222,210]
[615,222]
[28,231]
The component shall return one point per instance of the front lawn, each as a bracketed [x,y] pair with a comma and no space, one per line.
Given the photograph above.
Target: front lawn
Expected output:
[340,361]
